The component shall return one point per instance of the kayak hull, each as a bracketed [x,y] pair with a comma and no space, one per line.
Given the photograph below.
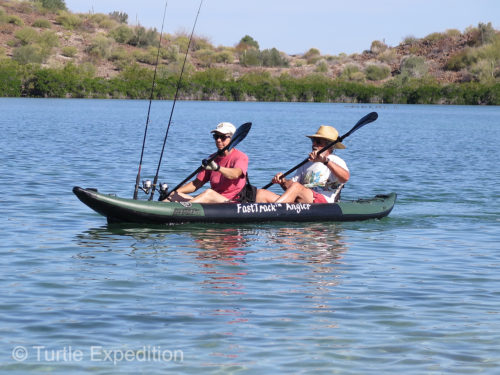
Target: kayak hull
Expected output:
[122,210]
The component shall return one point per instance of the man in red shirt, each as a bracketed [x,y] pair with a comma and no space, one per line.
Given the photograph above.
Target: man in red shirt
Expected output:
[226,173]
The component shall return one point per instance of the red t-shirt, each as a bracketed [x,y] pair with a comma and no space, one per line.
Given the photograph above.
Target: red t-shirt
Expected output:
[219,183]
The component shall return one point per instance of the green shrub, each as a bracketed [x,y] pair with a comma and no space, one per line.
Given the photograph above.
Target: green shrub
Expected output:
[300,63]
[42,23]
[453,33]
[484,71]
[146,57]
[357,77]
[144,38]
[182,42]
[122,34]
[118,53]
[413,66]
[10,78]
[54,4]
[15,20]
[199,43]
[410,39]
[225,57]
[102,21]
[171,53]
[321,66]
[312,56]
[69,51]
[377,72]
[26,35]
[348,71]
[461,60]
[206,57]
[490,51]
[389,56]
[377,47]
[68,20]
[120,17]
[28,54]
[250,57]
[210,81]
[433,37]
[100,47]
[273,57]
[49,39]
[120,57]
[480,35]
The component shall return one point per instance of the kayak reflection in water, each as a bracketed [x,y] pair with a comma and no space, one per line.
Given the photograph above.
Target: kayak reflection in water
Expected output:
[319,180]
[226,173]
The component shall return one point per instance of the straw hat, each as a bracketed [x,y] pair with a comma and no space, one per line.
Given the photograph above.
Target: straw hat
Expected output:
[329,133]
[225,128]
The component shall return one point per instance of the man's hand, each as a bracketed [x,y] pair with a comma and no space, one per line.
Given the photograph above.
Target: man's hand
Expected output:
[210,166]
[318,158]
[278,179]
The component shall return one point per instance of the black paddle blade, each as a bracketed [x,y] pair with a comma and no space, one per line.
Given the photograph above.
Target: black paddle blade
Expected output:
[370,117]
[238,136]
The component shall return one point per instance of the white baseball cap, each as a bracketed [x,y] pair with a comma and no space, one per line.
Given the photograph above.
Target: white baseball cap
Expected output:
[224,128]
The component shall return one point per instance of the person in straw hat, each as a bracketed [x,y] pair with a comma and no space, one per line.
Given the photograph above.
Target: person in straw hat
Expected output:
[226,173]
[319,180]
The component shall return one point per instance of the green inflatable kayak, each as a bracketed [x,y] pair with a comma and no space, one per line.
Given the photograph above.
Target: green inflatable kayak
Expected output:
[121,210]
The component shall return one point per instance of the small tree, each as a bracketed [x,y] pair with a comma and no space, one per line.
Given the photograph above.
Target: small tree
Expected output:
[312,56]
[120,17]
[272,57]
[54,4]
[247,42]
[143,37]
[251,57]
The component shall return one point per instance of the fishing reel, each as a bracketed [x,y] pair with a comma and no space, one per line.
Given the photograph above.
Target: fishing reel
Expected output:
[163,191]
[147,185]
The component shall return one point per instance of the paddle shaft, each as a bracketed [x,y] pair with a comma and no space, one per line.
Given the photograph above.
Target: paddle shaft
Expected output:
[372,116]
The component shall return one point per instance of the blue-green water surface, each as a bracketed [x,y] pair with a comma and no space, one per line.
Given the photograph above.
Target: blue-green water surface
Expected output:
[415,293]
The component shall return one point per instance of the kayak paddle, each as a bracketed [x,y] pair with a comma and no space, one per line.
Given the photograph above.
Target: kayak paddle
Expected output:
[370,117]
[237,137]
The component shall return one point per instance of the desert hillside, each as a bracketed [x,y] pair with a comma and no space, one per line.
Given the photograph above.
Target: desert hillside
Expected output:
[45,32]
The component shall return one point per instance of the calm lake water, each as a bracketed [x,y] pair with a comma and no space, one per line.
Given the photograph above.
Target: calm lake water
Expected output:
[415,293]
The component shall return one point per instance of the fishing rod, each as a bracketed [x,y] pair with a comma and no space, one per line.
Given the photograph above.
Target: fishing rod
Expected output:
[147,184]
[153,188]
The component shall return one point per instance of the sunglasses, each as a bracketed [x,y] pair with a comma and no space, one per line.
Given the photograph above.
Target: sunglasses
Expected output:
[320,142]
[222,137]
